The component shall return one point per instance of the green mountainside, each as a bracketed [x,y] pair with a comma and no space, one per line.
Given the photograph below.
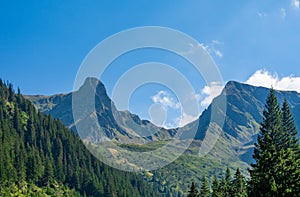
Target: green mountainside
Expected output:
[234,147]
[41,157]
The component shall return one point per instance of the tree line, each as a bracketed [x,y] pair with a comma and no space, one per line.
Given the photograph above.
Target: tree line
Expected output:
[276,170]
[228,186]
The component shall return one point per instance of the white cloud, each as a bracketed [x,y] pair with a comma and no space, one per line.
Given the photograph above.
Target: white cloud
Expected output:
[261,14]
[203,46]
[192,48]
[216,42]
[211,48]
[282,13]
[295,3]
[266,79]
[168,102]
[165,99]
[218,53]
[210,92]
[184,120]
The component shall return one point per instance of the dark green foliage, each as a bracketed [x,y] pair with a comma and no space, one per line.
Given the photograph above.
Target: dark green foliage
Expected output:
[216,188]
[239,188]
[226,184]
[54,189]
[290,139]
[276,171]
[40,153]
[265,153]
[235,187]
[193,191]
[205,191]
[289,157]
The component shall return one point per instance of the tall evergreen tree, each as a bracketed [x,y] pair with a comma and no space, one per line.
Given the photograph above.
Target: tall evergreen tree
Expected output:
[226,186]
[275,162]
[193,192]
[289,128]
[289,157]
[223,188]
[239,188]
[216,188]
[205,191]
[263,171]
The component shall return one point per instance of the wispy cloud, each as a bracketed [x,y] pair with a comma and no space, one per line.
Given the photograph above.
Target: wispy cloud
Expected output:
[218,53]
[212,48]
[165,99]
[266,79]
[295,3]
[182,120]
[283,13]
[261,14]
[204,98]
[216,42]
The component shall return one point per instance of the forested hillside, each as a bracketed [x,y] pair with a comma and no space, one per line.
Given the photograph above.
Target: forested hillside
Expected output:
[41,157]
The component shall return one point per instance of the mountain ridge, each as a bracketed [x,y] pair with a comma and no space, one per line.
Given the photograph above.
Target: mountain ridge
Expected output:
[60,106]
[234,146]
[240,97]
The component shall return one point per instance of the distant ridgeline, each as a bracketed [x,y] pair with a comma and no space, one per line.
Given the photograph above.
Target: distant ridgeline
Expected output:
[40,156]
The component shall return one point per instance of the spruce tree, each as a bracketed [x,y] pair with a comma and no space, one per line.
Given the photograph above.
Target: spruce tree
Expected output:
[276,171]
[226,183]
[193,191]
[289,157]
[205,191]
[289,128]
[239,185]
[263,171]
[223,188]
[216,188]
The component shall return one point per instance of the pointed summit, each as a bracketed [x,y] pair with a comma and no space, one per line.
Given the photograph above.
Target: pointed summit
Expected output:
[94,83]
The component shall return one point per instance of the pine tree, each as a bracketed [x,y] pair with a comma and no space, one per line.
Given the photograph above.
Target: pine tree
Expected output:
[226,183]
[223,188]
[276,171]
[48,176]
[263,171]
[205,191]
[20,165]
[289,128]
[193,191]
[239,185]
[289,157]
[216,188]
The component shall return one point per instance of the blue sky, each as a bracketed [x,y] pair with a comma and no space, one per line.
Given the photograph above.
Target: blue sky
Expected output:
[42,43]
